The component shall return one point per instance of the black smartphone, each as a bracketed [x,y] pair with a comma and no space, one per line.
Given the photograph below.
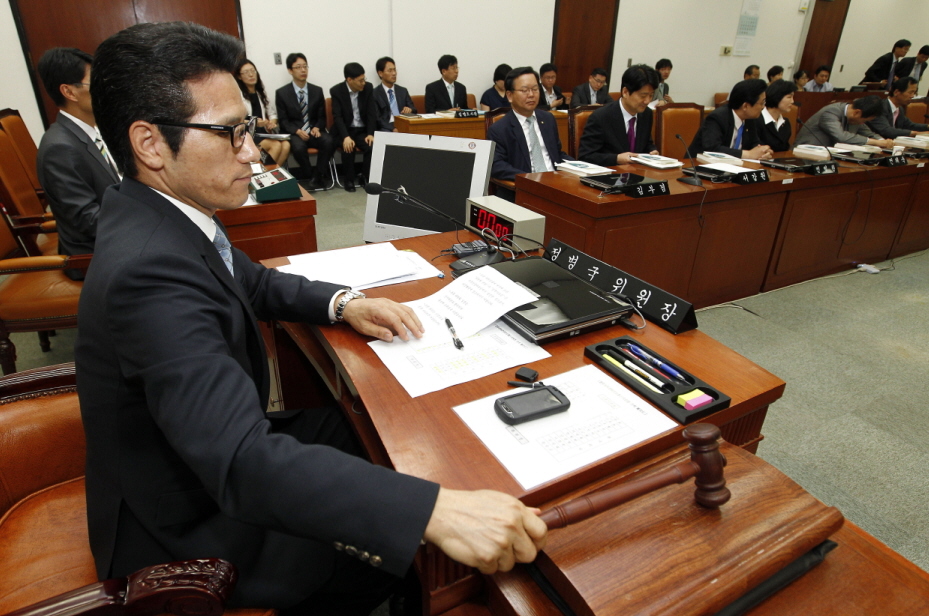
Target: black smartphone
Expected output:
[531,404]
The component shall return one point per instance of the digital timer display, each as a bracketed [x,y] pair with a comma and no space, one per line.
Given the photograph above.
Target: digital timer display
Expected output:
[480,219]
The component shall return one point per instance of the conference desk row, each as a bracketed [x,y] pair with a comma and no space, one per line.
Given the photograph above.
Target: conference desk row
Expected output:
[424,437]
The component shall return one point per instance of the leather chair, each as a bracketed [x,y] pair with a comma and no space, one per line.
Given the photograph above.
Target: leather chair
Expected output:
[616,95]
[46,566]
[35,296]
[419,101]
[472,102]
[315,151]
[577,120]
[12,123]
[676,119]
[792,117]
[719,98]
[916,111]
[22,203]
[490,118]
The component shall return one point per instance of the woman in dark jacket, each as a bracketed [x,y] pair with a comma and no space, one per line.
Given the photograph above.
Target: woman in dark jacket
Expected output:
[773,126]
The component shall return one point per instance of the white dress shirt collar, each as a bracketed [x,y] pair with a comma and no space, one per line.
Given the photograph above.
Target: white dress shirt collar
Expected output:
[768,118]
[203,222]
[84,126]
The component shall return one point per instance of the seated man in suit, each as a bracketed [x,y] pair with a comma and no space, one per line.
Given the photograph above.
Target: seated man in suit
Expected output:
[446,93]
[593,92]
[354,121]
[664,68]
[820,80]
[301,111]
[773,128]
[526,138]
[885,67]
[891,121]
[752,71]
[73,164]
[843,123]
[182,459]
[727,129]
[390,99]
[621,129]
[551,97]
[914,67]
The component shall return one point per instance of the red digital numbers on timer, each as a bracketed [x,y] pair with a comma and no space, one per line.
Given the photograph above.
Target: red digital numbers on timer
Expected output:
[488,220]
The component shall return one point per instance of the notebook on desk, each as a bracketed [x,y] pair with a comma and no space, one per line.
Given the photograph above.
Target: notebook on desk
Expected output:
[567,305]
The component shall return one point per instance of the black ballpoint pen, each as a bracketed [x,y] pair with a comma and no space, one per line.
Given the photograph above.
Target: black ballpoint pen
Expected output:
[455,338]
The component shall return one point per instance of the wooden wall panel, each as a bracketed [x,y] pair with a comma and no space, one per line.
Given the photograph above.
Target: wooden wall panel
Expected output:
[583,39]
[822,39]
[222,15]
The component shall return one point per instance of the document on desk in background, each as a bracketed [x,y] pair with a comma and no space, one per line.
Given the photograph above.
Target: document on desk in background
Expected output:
[473,303]
[604,418]
[361,267]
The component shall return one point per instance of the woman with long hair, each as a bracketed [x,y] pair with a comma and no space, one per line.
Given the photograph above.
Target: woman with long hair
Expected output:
[256,100]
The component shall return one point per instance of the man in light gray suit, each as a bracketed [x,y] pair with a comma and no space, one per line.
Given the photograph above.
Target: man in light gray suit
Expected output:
[73,164]
[844,123]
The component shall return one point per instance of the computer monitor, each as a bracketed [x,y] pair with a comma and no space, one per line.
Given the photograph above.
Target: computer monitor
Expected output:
[441,171]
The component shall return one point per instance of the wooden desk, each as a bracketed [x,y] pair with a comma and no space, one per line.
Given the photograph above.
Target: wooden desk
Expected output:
[472,128]
[743,239]
[276,229]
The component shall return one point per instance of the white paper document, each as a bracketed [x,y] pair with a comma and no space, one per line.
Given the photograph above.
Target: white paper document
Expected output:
[604,418]
[357,267]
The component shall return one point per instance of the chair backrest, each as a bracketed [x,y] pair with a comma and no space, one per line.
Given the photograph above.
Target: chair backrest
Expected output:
[719,98]
[616,95]
[491,117]
[676,119]
[472,102]
[9,247]
[792,117]
[916,111]
[12,123]
[16,191]
[328,113]
[419,101]
[577,120]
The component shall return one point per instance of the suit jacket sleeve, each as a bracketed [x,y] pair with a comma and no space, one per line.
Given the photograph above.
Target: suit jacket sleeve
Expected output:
[382,109]
[317,110]
[287,115]
[407,101]
[432,101]
[831,124]
[368,109]
[579,96]
[649,143]
[461,96]
[717,135]
[341,105]
[880,69]
[505,150]
[594,146]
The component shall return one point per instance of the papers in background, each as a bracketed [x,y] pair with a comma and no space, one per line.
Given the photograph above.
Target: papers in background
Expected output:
[472,303]
[718,157]
[726,168]
[658,162]
[604,418]
[851,147]
[361,267]
[581,168]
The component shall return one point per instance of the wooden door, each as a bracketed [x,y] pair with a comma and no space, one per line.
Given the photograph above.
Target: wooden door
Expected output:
[583,39]
[822,39]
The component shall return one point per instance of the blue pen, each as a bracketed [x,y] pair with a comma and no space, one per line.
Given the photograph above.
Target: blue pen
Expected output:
[657,363]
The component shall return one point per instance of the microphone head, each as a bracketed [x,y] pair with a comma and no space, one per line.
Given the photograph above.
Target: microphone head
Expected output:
[679,136]
[373,188]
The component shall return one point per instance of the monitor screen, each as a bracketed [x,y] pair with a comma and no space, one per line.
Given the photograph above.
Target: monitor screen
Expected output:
[440,171]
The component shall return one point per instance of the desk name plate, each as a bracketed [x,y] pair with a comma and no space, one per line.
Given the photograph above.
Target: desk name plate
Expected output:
[750,177]
[657,305]
[893,161]
[466,113]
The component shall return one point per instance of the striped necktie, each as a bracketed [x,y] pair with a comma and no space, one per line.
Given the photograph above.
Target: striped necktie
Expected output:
[224,248]
[535,148]
[304,111]
[394,110]
[106,155]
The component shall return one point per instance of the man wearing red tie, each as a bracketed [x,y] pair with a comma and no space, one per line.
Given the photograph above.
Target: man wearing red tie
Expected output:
[892,122]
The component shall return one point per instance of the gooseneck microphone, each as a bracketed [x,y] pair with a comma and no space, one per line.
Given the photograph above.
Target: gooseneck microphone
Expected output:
[373,188]
[693,181]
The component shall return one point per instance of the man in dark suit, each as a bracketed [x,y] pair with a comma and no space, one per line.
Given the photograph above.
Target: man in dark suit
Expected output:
[726,130]
[843,123]
[390,99]
[526,137]
[593,92]
[182,460]
[301,111]
[72,161]
[891,121]
[354,120]
[446,93]
[885,67]
[551,96]
[914,67]
[621,129]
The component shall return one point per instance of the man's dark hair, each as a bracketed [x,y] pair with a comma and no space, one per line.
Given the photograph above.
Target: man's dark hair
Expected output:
[381,63]
[259,86]
[548,67]
[750,69]
[446,61]
[776,92]
[141,72]
[516,73]
[292,59]
[774,71]
[598,71]
[924,50]
[800,74]
[902,43]
[501,72]
[746,91]
[869,106]
[62,65]
[824,67]
[353,70]
[902,85]
[663,63]
[637,77]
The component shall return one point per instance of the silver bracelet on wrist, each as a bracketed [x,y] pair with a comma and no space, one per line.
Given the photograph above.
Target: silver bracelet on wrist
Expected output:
[348,296]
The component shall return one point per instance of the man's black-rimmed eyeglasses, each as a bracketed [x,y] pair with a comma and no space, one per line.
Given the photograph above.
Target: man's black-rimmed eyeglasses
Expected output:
[236,132]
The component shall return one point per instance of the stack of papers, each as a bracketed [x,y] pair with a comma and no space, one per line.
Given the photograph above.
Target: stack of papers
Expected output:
[362,267]
[851,147]
[726,168]
[582,169]
[658,162]
[718,157]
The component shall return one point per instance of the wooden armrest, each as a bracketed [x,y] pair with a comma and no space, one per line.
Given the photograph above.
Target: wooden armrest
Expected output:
[44,263]
[504,183]
[26,220]
[198,587]
[35,228]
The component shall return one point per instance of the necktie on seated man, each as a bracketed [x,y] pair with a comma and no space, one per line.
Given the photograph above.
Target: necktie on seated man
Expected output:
[738,137]
[631,134]
[393,102]
[304,111]
[535,148]
[224,248]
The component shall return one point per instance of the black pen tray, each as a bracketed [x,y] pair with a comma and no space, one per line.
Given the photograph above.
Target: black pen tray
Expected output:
[674,388]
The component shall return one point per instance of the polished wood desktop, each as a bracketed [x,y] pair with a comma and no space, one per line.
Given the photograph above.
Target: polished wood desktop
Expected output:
[731,241]
[469,128]
[274,229]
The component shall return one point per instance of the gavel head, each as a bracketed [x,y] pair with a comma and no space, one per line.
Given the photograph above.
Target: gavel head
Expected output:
[703,440]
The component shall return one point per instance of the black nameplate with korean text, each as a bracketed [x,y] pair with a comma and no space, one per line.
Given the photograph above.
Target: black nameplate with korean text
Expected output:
[825,167]
[657,305]
[893,161]
[750,177]
[652,189]
[466,113]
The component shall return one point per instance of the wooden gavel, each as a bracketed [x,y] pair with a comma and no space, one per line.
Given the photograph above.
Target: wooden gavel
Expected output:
[706,464]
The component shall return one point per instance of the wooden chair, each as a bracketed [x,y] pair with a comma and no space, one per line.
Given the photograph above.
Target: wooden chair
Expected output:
[719,98]
[315,151]
[792,117]
[577,120]
[419,101]
[472,102]
[490,118]
[45,562]
[616,95]
[676,119]
[916,111]
[22,204]
[12,123]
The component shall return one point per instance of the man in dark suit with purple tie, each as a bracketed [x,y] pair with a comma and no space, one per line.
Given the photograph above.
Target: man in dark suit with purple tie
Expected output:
[621,129]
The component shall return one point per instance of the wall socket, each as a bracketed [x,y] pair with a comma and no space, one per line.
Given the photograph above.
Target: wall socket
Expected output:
[725,50]
[277,58]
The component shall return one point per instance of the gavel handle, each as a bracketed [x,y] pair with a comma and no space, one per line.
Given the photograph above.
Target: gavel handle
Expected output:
[584,507]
